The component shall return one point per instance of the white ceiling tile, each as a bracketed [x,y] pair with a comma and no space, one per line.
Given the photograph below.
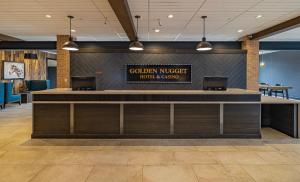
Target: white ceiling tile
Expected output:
[25,19]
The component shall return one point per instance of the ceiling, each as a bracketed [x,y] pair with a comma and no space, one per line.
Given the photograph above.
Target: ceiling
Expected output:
[26,19]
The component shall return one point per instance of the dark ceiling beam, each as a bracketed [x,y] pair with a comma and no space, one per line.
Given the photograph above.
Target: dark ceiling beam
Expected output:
[27,45]
[294,45]
[279,28]
[8,38]
[122,11]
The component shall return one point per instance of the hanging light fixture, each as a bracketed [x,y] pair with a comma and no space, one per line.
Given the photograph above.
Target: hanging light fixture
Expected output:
[70,45]
[204,45]
[136,45]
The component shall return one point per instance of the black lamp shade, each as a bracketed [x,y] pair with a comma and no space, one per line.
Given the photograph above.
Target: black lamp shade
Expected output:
[204,45]
[70,46]
[136,46]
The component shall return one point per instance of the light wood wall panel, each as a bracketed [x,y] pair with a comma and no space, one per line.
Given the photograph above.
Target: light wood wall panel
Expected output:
[34,69]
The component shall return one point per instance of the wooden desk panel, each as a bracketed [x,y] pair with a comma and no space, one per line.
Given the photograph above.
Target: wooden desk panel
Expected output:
[146,119]
[197,119]
[242,119]
[96,118]
[51,119]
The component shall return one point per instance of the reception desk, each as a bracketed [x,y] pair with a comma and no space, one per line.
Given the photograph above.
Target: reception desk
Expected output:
[63,113]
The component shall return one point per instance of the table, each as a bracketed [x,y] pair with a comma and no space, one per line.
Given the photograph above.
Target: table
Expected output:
[26,97]
[270,89]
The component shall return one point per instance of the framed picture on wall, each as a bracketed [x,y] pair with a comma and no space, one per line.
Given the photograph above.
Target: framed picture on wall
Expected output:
[13,70]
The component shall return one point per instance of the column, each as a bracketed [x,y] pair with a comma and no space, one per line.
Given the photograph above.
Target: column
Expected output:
[63,63]
[252,47]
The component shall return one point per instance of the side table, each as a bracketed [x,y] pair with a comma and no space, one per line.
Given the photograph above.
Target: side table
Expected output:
[26,97]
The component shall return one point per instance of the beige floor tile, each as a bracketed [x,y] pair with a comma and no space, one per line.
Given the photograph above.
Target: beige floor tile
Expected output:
[287,147]
[155,148]
[116,174]
[150,158]
[2,152]
[270,133]
[221,173]
[280,157]
[238,158]
[63,173]
[18,172]
[195,158]
[168,174]
[216,148]
[20,157]
[14,144]
[256,148]
[273,173]
[57,157]
[108,157]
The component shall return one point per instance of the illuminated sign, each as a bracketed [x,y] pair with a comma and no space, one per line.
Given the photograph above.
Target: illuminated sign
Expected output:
[174,73]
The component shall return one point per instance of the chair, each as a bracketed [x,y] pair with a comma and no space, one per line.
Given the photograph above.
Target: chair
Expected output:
[278,91]
[1,95]
[36,85]
[10,97]
[263,88]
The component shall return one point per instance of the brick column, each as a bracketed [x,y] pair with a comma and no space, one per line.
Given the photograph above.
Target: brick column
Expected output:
[252,47]
[63,63]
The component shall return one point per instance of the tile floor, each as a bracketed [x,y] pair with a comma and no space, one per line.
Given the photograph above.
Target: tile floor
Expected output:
[276,157]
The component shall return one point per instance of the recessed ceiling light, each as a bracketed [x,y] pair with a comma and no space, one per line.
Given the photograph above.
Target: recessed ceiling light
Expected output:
[73,30]
[170,16]
[259,16]
[240,31]
[156,30]
[48,16]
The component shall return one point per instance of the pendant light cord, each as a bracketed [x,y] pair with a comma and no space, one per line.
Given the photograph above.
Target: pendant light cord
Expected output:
[70,27]
[204,27]
[70,18]
[137,27]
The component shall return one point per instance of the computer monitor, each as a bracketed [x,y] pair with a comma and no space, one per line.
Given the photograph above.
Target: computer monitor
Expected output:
[214,83]
[83,83]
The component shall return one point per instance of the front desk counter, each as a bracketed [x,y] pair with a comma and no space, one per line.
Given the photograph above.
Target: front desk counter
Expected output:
[63,113]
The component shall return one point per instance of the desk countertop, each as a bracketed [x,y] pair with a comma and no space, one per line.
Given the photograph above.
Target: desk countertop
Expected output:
[155,92]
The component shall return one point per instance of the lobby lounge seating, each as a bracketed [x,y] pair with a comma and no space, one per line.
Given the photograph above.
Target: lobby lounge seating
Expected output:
[36,85]
[10,97]
[1,95]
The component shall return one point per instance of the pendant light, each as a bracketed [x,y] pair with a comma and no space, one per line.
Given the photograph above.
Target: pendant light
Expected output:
[204,45]
[136,45]
[70,45]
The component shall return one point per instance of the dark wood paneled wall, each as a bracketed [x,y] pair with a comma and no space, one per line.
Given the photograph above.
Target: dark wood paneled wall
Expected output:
[110,68]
